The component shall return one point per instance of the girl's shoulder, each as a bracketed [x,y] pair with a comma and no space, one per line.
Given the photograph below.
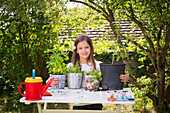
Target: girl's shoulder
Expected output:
[69,65]
[98,64]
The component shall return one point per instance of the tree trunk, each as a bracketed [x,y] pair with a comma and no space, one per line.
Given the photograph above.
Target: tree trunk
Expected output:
[161,107]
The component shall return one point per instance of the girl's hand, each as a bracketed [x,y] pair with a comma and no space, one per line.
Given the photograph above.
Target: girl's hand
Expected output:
[124,77]
[54,83]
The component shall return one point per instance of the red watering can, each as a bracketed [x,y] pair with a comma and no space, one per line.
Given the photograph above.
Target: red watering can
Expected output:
[34,90]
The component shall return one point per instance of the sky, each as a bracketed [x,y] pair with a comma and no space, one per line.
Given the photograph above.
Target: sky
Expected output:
[72,5]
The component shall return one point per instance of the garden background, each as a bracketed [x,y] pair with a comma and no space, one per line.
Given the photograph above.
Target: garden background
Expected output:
[30,29]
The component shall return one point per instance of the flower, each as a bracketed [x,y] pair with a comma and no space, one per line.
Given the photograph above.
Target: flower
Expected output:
[74,47]
[87,81]
[94,86]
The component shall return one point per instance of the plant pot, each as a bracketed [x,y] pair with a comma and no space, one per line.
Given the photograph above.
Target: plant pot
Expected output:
[91,82]
[74,80]
[110,74]
[61,79]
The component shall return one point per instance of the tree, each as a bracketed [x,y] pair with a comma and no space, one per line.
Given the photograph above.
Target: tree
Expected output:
[27,28]
[152,18]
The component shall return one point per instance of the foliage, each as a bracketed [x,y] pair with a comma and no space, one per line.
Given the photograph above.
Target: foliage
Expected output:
[102,46]
[26,30]
[143,103]
[79,20]
[152,18]
[56,63]
[74,69]
[96,74]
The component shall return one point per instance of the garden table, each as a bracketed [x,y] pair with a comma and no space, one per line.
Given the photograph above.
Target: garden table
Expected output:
[81,96]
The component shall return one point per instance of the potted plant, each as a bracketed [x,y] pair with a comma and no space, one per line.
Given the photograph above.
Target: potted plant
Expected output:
[111,72]
[57,66]
[92,79]
[74,77]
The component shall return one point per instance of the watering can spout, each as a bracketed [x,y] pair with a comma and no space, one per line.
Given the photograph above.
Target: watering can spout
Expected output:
[44,88]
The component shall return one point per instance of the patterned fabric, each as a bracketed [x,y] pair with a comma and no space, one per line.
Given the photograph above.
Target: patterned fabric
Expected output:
[61,78]
[92,83]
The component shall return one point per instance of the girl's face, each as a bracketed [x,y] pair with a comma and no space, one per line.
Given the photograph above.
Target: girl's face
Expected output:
[83,49]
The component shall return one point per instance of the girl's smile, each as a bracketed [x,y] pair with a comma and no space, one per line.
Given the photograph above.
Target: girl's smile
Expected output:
[84,54]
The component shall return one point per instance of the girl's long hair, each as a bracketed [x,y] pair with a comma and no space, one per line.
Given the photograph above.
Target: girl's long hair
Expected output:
[76,57]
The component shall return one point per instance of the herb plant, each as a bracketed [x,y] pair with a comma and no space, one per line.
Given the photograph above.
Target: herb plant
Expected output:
[74,69]
[56,63]
[97,75]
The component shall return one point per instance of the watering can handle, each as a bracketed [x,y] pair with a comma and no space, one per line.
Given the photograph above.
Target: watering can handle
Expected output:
[20,89]
[46,86]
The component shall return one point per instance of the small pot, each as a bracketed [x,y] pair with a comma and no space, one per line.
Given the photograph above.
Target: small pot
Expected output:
[91,82]
[74,80]
[61,79]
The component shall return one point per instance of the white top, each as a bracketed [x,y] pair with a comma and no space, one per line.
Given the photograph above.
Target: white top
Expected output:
[87,67]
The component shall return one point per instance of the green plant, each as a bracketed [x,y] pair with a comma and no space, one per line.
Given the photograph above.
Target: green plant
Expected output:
[25,33]
[56,63]
[152,18]
[97,75]
[74,69]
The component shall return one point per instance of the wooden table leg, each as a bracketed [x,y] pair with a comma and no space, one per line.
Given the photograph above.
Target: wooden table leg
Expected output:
[45,105]
[118,108]
[39,107]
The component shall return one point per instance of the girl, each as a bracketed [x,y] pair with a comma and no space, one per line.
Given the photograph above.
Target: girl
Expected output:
[83,54]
